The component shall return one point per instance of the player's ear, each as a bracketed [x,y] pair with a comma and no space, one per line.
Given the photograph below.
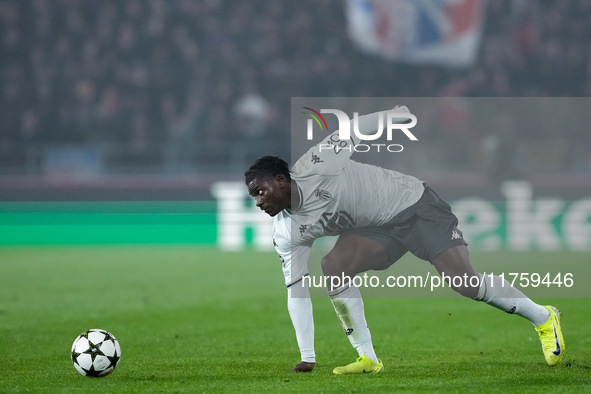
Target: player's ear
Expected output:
[280,180]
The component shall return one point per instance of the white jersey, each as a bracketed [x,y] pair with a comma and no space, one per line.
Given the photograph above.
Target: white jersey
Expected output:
[337,194]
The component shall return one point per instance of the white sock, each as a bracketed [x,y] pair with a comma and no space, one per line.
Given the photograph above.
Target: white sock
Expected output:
[498,292]
[348,305]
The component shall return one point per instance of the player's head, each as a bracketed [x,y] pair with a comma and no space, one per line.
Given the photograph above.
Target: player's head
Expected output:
[269,183]
[267,167]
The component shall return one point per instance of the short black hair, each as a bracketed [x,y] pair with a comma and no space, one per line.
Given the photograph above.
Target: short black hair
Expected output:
[267,166]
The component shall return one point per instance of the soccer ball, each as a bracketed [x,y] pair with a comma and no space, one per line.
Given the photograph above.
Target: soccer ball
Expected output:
[95,353]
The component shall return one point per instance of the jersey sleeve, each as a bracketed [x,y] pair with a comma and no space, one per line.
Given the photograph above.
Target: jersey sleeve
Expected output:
[332,153]
[295,266]
[293,255]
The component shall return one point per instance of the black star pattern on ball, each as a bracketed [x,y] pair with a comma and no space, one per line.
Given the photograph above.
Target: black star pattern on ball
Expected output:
[93,350]
[75,357]
[115,359]
[92,373]
[108,336]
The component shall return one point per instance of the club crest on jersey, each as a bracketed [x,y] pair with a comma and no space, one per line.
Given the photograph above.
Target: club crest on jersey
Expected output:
[323,195]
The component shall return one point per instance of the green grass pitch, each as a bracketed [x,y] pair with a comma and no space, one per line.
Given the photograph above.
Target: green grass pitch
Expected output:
[192,319]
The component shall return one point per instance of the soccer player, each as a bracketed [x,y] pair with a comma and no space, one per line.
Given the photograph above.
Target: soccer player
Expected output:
[379,215]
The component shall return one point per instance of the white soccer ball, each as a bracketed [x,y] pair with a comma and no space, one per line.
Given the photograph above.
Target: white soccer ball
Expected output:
[95,353]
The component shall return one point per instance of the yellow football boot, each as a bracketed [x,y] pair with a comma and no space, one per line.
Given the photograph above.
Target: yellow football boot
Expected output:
[551,337]
[363,364]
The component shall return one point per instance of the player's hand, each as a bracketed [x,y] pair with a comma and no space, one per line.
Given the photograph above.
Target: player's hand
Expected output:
[303,366]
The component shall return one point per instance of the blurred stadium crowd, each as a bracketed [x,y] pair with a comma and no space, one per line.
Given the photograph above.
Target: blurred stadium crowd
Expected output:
[201,86]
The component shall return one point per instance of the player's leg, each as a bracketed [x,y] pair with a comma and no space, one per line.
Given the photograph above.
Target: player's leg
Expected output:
[354,253]
[429,230]
[498,292]
[454,263]
[492,289]
[351,255]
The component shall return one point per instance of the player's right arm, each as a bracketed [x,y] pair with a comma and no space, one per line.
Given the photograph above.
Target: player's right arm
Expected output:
[299,304]
[294,262]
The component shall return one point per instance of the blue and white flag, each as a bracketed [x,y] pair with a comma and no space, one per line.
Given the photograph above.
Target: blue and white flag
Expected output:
[444,32]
